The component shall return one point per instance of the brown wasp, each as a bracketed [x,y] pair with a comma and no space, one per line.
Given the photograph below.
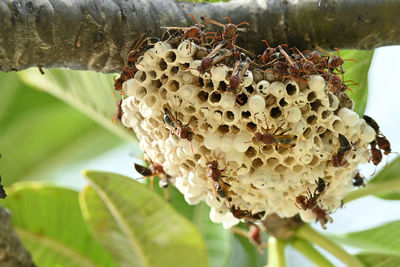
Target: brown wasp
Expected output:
[118,114]
[176,127]
[151,172]
[358,179]
[341,157]
[245,214]
[274,139]
[229,34]
[333,63]
[193,33]
[208,61]
[220,188]
[253,235]
[380,139]
[129,71]
[310,202]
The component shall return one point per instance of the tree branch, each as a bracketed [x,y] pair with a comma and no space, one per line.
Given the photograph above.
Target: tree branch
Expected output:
[12,252]
[97,34]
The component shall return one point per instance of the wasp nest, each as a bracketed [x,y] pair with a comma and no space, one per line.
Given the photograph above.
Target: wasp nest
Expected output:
[244,139]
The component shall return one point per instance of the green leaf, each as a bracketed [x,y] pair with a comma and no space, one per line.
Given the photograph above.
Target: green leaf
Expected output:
[358,72]
[49,221]
[390,173]
[382,239]
[379,260]
[218,239]
[40,133]
[90,92]
[138,227]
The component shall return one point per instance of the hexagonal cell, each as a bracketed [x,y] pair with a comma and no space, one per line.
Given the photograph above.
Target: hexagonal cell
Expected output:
[251,152]
[203,96]
[223,129]
[270,100]
[140,76]
[161,65]
[272,162]
[292,88]
[289,160]
[170,57]
[275,112]
[230,116]
[257,163]
[215,97]
[172,86]
[280,168]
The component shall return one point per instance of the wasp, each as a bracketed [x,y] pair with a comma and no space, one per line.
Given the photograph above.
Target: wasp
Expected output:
[358,179]
[208,61]
[151,172]
[310,202]
[193,33]
[229,33]
[237,76]
[176,127]
[253,235]
[274,139]
[220,188]
[341,157]
[380,139]
[118,114]
[245,214]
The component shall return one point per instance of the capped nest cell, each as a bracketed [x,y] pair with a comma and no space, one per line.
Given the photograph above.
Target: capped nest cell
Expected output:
[249,135]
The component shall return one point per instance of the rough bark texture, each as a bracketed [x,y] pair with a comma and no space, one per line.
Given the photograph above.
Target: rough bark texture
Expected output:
[12,252]
[97,34]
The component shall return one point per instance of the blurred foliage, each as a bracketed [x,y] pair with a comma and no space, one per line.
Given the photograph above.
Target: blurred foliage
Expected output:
[390,173]
[358,72]
[384,239]
[40,133]
[138,227]
[49,221]
[378,260]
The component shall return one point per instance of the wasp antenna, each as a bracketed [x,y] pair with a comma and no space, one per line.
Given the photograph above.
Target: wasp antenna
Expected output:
[265,41]
[205,157]
[193,18]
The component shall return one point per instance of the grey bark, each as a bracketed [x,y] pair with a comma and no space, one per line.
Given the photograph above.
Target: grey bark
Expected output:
[12,252]
[97,34]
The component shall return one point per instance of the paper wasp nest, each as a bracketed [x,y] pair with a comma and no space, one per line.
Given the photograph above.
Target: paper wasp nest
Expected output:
[306,120]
